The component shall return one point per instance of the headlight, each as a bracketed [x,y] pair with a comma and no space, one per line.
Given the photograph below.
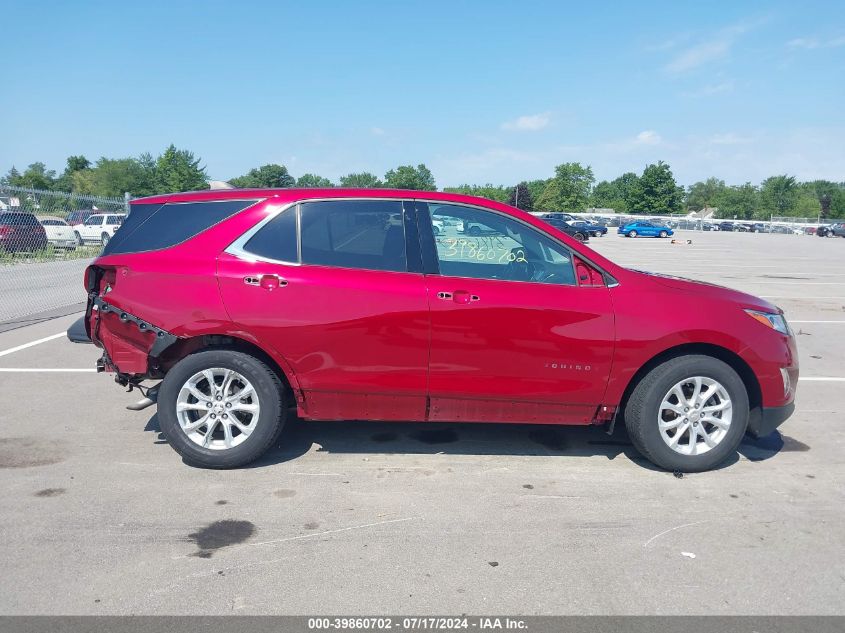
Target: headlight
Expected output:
[775,321]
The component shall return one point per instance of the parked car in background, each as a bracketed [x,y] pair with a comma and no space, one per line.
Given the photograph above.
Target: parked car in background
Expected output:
[810,230]
[758,227]
[307,299]
[98,229]
[589,228]
[59,233]
[566,227]
[782,229]
[726,226]
[832,230]
[79,216]
[645,228]
[21,231]
[709,226]
[557,215]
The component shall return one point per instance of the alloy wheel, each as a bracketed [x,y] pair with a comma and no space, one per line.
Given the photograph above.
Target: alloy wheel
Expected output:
[217,408]
[695,415]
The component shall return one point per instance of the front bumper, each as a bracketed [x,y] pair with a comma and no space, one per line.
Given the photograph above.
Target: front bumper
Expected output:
[765,420]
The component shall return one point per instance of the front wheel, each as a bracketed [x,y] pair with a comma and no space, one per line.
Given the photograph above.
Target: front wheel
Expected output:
[688,414]
[221,408]
[664,234]
[632,234]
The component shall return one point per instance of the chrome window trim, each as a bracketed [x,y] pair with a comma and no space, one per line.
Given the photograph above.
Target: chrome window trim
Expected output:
[237,249]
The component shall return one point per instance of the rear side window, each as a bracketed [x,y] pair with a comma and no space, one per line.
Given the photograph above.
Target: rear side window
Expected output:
[365,234]
[151,227]
[277,239]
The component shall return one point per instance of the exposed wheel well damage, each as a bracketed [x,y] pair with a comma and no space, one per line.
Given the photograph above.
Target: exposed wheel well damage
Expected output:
[187,346]
[752,386]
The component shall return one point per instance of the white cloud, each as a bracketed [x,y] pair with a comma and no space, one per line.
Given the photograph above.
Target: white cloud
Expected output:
[698,55]
[810,43]
[528,123]
[713,48]
[377,131]
[648,137]
[729,139]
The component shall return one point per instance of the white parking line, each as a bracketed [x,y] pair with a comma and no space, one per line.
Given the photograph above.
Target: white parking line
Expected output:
[794,321]
[37,370]
[821,379]
[25,345]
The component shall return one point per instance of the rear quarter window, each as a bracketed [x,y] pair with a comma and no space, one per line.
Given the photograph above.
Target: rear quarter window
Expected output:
[151,227]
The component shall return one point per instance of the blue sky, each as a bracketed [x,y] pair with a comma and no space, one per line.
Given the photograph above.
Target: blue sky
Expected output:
[479,91]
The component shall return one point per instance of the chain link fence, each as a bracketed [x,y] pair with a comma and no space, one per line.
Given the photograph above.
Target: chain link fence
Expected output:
[47,238]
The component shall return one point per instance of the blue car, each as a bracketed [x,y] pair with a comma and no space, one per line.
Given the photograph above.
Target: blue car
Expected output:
[644,228]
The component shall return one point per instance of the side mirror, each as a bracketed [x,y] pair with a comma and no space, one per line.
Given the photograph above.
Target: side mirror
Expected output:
[587,276]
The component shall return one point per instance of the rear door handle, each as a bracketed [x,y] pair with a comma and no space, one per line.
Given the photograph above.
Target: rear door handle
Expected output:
[268,282]
[459,296]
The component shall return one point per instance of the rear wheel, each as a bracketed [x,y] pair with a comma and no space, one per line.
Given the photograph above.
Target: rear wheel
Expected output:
[632,234]
[688,414]
[78,238]
[474,230]
[596,233]
[221,408]
[104,239]
[580,237]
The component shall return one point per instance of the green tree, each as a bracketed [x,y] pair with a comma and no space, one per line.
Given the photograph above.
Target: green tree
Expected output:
[410,177]
[536,188]
[609,195]
[115,176]
[656,191]
[491,192]
[313,181]
[178,170]
[830,197]
[520,197]
[36,176]
[568,190]
[11,177]
[738,202]
[74,164]
[703,194]
[271,176]
[363,180]
[779,195]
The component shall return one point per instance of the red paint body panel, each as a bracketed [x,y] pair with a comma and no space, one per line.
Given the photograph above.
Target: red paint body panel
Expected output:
[358,344]
[519,342]
[357,333]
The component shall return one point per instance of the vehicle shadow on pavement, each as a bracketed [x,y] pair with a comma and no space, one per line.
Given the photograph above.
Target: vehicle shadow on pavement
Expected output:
[418,438]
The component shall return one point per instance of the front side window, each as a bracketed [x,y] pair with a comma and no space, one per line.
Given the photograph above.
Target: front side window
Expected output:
[365,234]
[485,245]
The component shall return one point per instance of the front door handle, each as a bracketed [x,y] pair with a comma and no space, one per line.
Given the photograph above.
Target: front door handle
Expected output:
[459,296]
[268,282]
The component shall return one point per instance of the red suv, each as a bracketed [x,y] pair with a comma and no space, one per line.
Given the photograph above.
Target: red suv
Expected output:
[348,305]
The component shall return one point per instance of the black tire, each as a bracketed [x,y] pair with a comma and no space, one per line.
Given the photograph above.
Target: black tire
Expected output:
[104,239]
[78,238]
[271,418]
[642,410]
[474,230]
[596,233]
[664,234]
[632,234]
[580,237]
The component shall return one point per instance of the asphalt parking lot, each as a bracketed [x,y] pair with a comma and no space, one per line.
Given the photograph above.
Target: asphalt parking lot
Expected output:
[99,516]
